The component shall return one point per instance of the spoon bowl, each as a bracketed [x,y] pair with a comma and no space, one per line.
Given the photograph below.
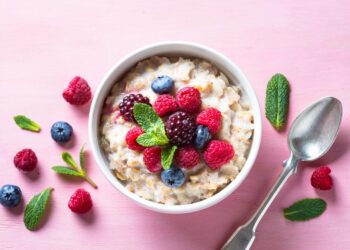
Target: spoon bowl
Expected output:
[314,131]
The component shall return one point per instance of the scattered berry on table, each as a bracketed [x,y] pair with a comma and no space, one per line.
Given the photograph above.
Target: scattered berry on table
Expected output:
[187,157]
[203,136]
[211,118]
[165,104]
[10,195]
[25,160]
[126,106]
[78,91]
[80,202]
[173,177]
[162,84]
[181,128]
[321,179]
[189,99]
[131,137]
[218,153]
[152,159]
[61,131]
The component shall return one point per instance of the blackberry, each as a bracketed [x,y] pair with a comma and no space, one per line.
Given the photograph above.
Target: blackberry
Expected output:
[126,106]
[181,128]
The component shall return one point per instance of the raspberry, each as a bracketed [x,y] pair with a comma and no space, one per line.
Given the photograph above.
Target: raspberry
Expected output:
[25,160]
[218,153]
[80,202]
[126,106]
[187,157]
[165,104]
[180,128]
[321,179]
[211,118]
[131,137]
[78,91]
[152,159]
[189,99]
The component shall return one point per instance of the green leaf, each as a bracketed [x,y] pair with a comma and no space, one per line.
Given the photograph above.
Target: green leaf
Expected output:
[75,170]
[147,118]
[277,100]
[152,139]
[167,156]
[67,158]
[305,209]
[67,171]
[152,124]
[35,209]
[26,123]
[81,157]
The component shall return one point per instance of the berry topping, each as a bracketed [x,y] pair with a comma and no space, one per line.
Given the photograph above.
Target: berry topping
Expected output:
[61,132]
[10,196]
[131,137]
[180,128]
[80,202]
[321,179]
[189,99]
[217,153]
[25,160]
[187,157]
[165,104]
[203,136]
[173,177]
[126,106]
[162,84]
[152,159]
[78,91]
[211,118]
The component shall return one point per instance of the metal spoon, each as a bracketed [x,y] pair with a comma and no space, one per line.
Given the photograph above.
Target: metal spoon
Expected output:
[312,134]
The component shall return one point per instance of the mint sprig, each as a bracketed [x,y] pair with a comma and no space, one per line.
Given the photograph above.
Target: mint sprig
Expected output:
[72,168]
[305,209]
[36,208]
[27,124]
[152,124]
[277,100]
[152,139]
[167,156]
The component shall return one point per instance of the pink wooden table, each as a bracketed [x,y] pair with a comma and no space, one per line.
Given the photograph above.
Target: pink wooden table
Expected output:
[43,44]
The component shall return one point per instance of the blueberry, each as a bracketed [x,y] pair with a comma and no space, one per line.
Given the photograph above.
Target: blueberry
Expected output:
[173,177]
[61,132]
[203,136]
[162,84]
[10,195]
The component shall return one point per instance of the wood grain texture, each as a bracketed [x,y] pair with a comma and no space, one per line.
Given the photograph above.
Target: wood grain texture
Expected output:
[43,44]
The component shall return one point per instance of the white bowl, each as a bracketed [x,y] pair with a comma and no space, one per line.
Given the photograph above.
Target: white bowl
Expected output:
[182,49]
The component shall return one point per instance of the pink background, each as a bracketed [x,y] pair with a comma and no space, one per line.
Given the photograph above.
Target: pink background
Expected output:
[43,44]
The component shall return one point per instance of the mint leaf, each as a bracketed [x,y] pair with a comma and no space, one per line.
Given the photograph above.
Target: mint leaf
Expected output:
[66,171]
[152,139]
[167,156]
[73,168]
[147,118]
[35,209]
[67,158]
[277,99]
[305,209]
[26,123]
[152,124]
[81,157]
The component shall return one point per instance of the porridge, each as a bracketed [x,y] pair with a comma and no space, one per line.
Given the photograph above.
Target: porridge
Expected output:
[207,123]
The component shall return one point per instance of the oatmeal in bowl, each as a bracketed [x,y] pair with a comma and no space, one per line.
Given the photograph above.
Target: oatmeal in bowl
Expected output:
[177,130]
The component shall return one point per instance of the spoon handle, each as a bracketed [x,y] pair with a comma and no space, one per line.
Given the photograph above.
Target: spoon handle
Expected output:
[243,237]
